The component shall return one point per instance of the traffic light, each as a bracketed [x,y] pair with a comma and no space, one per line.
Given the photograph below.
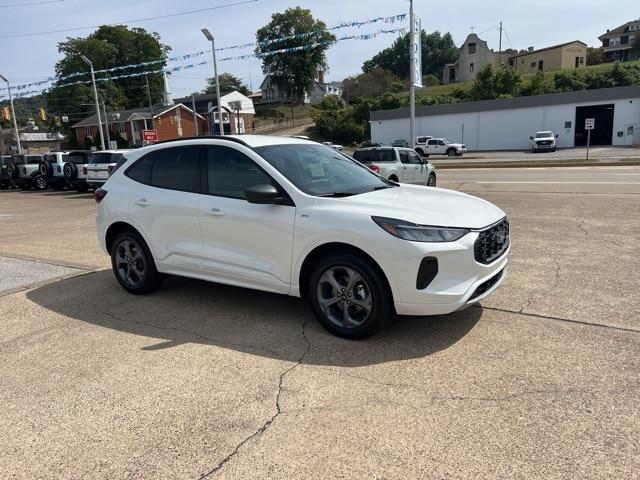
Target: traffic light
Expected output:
[56,120]
[42,114]
[5,113]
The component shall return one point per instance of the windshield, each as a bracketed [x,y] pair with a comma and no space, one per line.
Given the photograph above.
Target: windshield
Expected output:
[320,170]
[544,134]
[446,142]
[375,156]
[102,158]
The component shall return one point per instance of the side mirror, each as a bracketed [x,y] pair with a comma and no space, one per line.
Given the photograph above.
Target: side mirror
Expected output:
[530,138]
[263,195]
[557,136]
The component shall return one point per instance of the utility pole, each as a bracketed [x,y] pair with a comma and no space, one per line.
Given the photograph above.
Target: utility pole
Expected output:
[195,116]
[13,114]
[95,95]
[106,123]
[146,78]
[209,37]
[412,61]
[500,47]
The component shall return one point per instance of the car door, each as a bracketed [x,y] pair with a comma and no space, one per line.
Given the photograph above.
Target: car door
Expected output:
[419,170]
[406,169]
[165,206]
[243,243]
[432,147]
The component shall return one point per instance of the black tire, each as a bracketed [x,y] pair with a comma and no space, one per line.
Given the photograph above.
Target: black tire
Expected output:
[431,181]
[45,169]
[70,171]
[393,178]
[133,265]
[39,182]
[371,287]
[451,152]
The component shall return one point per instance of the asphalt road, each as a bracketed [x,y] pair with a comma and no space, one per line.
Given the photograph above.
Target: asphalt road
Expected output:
[207,381]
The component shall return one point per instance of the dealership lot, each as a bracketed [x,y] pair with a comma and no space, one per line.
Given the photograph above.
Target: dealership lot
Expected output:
[202,381]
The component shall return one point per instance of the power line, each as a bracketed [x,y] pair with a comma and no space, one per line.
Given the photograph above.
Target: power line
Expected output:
[125,22]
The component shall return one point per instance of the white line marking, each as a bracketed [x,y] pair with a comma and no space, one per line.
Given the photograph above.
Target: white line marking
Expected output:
[568,183]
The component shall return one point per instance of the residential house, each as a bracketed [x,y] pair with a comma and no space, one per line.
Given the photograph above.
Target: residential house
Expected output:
[622,43]
[271,93]
[171,122]
[37,140]
[558,57]
[238,112]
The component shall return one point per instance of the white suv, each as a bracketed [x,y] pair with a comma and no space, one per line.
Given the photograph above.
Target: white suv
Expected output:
[295,217]
[101,165]
[397,164]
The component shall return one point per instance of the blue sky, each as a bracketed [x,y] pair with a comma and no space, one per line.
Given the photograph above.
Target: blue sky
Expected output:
[540,24]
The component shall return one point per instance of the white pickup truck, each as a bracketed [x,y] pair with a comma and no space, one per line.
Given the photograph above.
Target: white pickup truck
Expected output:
[442,146]
[397,164]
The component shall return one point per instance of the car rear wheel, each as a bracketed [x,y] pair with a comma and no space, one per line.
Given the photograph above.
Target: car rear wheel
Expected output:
[349,298]
[133,264]
[451,152]
[40,182]
[431,182]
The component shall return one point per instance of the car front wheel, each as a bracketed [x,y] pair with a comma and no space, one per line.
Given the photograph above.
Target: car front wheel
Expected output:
[451,152]
[133,264]
[431,182]
[349,298]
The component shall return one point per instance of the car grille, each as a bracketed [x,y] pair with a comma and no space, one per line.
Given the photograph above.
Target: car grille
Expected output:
[492,242]
[544,142]
[486,286]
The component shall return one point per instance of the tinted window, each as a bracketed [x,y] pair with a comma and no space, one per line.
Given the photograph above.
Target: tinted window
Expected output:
[78,158]
[375,156]
[404,156]
[230,173]
[414,158]
[176,169]
[141,170]
[103,158]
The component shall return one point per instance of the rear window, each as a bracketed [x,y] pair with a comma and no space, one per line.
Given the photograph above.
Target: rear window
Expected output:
[54,158]
[375,156]
[78,158]
[102,158]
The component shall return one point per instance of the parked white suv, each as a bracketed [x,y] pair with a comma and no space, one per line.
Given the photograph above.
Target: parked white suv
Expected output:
[296,217]
[397,164]
[543,141]
[102,164]
[442,146]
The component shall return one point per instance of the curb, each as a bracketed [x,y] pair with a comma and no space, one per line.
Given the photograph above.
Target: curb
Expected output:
[550,163]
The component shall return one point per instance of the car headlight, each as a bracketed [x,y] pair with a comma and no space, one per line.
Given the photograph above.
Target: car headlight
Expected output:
[419,233]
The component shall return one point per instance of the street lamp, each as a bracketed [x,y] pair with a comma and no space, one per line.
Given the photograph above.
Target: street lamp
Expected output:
[13,114]
[95,95]
[209,37]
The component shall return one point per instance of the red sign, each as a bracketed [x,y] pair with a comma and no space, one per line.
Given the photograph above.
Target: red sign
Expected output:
[150,135]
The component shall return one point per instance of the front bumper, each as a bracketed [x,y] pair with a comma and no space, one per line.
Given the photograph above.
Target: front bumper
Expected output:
[544,147]
[454,287]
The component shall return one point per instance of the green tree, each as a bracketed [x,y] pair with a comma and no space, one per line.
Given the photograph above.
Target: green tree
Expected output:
[228,83]
[594,55]
[507,82]
[483,86]
[368,84]
[569,81]
[437,50]
[296,69]
[108,47]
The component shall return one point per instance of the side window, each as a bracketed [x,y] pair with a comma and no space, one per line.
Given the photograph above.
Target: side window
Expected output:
[441,143]
[414,158]
[230,173]
[432,142]
[141,170]
[404,157]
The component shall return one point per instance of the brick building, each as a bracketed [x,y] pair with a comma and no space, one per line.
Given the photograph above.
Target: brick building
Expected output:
[238,112]
[171,121]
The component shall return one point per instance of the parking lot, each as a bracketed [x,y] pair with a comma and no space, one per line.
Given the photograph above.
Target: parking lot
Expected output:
[207,381]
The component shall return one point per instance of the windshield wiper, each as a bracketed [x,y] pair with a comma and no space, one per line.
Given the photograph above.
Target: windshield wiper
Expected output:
[336,194]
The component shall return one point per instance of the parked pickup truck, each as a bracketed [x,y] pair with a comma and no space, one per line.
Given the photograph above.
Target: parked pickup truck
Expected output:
[397,164]
[543,141]
[25,172]
[421,142]
[101,165]
[442,146]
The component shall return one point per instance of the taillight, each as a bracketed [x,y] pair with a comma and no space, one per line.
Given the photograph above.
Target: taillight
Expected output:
[84,171]
[374,168]
[99,194]
[110,169]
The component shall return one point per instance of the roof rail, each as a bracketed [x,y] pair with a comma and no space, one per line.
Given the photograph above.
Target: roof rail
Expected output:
[206,137]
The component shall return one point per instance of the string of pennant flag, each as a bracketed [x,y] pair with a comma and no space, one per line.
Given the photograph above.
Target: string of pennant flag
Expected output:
[178,68]
[180,58]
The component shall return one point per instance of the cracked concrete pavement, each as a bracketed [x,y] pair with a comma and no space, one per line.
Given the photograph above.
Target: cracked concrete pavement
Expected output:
[209,381]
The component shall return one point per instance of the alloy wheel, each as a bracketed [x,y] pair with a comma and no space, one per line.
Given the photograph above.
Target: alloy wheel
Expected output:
[130,262]
[344,297]
[41,182]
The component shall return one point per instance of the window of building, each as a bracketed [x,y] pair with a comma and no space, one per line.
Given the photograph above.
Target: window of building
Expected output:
[87,131]
[533,64]
[624,40]
[176,169]
[541,65]
[605,42]
[230,173]
[472,48]
[581,60]
[471,67]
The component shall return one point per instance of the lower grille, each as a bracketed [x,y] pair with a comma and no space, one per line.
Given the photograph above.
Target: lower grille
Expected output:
[544,143]
[492,242]
[486,286]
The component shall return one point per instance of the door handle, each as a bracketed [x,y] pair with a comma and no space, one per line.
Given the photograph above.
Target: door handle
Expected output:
[404,168]
[216,212]
[142,202]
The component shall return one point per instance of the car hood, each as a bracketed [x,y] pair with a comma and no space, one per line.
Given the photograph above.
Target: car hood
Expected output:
[457,145]
[424,206]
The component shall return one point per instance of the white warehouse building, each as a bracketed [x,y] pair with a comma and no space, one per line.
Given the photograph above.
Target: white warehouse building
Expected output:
[507,124]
